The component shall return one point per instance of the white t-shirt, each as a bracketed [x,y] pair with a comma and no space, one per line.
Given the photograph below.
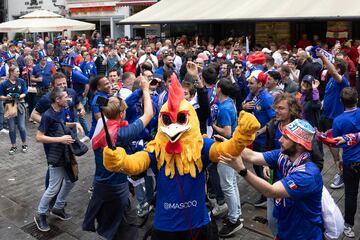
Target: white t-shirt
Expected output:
[154,59]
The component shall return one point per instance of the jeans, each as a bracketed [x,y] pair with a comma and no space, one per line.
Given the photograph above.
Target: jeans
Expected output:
[21,126]
[146,194]
[351,177]
[58,180]
[2,110]
[228,183]
[214,187]
[272,221]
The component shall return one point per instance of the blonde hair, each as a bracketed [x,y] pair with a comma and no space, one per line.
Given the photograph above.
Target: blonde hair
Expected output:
[28,58]
[114,107]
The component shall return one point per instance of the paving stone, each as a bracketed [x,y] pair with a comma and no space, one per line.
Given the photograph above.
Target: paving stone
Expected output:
[5,203]
[23,178]
[18,216]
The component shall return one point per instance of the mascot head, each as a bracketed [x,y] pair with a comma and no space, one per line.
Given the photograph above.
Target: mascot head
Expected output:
[178,140]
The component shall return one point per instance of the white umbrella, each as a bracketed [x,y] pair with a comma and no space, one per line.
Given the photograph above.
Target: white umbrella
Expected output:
[44,21]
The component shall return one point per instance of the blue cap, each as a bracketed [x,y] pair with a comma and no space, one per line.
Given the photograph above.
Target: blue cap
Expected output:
[42,55]
[308,78]
[66,47]
[7,56]
[67,62]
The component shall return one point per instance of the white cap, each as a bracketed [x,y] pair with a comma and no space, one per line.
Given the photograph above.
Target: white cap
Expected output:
[266,50]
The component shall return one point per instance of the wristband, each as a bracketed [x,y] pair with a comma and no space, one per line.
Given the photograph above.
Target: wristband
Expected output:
[243,172]
[351,139]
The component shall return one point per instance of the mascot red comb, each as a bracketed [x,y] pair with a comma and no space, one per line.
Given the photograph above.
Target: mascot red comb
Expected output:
[178,156]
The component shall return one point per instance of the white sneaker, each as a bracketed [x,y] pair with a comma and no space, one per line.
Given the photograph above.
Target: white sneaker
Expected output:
[85,139]
[349,232]
[219,210]
[338,182]
[4,131]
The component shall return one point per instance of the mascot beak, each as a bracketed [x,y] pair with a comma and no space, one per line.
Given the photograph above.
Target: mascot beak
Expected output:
[174,131]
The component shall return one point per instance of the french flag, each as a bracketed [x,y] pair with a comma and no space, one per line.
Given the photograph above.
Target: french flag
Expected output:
[98,140]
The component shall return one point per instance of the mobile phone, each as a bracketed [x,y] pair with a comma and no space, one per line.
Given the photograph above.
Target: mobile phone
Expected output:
[102,101]
[153,82]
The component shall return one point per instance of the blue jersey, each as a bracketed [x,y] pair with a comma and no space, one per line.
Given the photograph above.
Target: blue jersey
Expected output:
[227,115]
[263,111]
[332,104]
[3,71]
[180,197]
[88,68]
[44,104]
[299,216]
[19,87]
[124,137]
[163,97]
[79,80]
[348,122]
[45,72]
[51,123]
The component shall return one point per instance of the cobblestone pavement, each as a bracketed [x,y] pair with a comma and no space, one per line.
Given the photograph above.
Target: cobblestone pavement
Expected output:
[22,184]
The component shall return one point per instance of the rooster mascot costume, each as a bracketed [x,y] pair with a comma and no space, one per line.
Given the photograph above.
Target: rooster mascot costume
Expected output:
[178,156]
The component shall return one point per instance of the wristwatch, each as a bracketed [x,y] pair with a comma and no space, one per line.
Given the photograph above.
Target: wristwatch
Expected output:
[243,172]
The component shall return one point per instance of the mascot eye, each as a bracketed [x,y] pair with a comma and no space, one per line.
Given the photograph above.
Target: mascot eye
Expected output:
[166,119]
[181,118]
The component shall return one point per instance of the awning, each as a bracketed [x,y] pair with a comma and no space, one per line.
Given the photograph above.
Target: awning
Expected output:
[124,3]
[44,21]
[196,11]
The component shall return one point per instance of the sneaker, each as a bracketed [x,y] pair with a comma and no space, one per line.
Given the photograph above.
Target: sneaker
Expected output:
[85,139]
[143,210]
[219,210]
[24,148]
[226,219]
[338,181]
[212,201]
[12,150]
[91,189]
[349,232]
[261,202]
[61,214]
[41,223]
[4,131]
[230,228]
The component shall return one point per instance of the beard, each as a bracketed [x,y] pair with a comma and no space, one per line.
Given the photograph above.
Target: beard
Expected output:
[290,151]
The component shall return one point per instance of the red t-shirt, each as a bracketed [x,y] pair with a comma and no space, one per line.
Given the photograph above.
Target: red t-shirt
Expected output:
[130,67]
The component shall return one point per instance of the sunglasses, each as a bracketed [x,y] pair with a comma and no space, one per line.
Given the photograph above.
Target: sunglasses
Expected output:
[182,118]
[239,67]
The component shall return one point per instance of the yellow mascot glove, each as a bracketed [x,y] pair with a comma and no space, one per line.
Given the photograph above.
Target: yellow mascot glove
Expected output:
[113,159]
[247,127]
[118,161]
[243,135]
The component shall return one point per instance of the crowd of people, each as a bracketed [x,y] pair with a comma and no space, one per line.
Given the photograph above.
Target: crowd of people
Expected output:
[296,94]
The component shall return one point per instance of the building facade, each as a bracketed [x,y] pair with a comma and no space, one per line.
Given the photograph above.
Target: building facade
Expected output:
[107,15]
